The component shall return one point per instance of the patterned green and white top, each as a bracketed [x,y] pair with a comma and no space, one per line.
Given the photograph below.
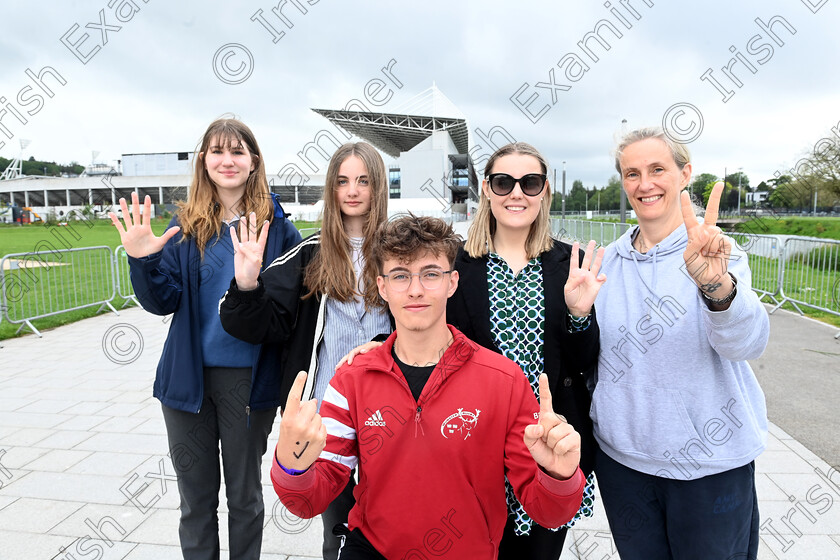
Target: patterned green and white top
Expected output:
[517,323]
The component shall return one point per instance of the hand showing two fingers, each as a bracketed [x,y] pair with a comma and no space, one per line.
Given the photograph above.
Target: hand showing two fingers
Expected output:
[707,254]
[554,444]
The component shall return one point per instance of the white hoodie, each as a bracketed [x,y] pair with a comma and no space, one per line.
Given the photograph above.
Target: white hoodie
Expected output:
[674,395]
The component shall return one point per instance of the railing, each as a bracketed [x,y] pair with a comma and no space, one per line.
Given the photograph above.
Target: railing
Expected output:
[124,288]
[603,233]
[45,283]
[811,275]
[797,270]
[766,263]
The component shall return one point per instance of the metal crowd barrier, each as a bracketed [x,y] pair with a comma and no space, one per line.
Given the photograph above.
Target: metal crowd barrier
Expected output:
[307,231]
[765,254]
[121,273]
[45,283]
[811,275]
[603,233]
[798,270]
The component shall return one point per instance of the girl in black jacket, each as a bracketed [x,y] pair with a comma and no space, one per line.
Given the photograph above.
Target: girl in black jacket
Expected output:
[315,300]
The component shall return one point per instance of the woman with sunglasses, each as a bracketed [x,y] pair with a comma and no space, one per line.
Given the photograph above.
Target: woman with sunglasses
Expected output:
[528,297]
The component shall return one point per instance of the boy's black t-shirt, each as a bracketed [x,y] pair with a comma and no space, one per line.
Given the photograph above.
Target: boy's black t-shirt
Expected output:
[416,376]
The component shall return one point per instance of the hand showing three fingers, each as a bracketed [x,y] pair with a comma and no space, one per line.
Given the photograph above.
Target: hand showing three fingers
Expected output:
[584,282]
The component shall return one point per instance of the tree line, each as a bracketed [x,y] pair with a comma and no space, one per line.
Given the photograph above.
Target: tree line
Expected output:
[49,168]
[818,171]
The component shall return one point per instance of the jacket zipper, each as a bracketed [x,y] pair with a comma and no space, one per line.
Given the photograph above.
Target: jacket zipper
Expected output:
[417,421]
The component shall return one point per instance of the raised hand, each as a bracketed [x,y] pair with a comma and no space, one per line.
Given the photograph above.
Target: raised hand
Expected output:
[137,236]
[248,252]
[707,254]
[302,434]
[584,282]
[363,349]
[554,444]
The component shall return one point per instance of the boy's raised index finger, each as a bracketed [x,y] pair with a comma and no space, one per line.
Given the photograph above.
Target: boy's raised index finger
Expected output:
[296,393]
[545,395]
[714,204]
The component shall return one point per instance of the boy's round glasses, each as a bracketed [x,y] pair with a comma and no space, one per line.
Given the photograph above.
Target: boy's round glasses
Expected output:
[429,279]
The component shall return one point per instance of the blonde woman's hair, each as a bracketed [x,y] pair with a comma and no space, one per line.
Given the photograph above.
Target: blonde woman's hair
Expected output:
[480,236]
[200,216]
[331,271]
[678,151]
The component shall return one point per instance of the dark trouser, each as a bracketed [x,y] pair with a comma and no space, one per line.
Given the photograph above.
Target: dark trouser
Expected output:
[710,518]
[336,514]
[354,546]
[194,448]
[539,544]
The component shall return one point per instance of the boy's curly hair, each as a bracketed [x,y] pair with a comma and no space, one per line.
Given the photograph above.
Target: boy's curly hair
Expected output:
[409,237]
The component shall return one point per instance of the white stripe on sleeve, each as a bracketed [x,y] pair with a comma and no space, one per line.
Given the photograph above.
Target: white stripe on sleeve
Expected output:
[337,429]
[348,461]
[335,398]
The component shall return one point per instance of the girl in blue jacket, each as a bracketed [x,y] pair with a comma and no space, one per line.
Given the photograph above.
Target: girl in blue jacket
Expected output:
[213,388]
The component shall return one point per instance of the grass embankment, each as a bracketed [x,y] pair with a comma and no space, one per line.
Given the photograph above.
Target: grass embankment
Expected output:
[824,227]
[75,279]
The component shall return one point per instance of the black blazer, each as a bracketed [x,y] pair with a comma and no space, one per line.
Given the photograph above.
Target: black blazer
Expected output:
[568,357]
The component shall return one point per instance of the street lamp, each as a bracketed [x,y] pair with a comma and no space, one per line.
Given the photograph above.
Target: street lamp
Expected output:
[622,196]
[563,208]
[739,190]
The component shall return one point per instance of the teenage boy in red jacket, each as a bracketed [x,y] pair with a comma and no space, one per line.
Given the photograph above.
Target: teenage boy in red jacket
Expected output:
[434,422]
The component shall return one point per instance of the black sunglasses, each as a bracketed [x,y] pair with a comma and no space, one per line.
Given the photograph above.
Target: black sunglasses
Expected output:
[502,184]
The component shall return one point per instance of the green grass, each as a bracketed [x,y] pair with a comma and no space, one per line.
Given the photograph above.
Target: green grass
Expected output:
[54,285]
[824,227]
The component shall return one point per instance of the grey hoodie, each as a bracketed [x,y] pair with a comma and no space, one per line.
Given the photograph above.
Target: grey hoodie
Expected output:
[674,396]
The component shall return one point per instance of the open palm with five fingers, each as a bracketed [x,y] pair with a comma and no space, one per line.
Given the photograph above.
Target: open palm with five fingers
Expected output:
[302,433]
[554,444]
[707,254]
[248,253]
[137,236]
[584,282]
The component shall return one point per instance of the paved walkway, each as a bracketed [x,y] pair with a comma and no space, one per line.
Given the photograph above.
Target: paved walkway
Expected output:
[84,471]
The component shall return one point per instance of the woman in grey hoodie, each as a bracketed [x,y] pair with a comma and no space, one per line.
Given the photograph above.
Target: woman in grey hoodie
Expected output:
[676,409]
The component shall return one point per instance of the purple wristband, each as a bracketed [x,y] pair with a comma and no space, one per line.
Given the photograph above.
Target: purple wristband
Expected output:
[293,472]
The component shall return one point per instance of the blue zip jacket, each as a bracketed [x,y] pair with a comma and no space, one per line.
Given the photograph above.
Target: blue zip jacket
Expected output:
[167,282]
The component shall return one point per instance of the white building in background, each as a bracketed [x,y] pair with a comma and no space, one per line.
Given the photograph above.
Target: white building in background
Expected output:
[163,163]
[425,142]
[755,198]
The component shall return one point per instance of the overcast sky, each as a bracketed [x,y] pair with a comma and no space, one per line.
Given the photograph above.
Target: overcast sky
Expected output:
[152,86]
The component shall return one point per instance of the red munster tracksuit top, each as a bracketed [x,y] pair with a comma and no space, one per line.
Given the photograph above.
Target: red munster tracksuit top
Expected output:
[432,471]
